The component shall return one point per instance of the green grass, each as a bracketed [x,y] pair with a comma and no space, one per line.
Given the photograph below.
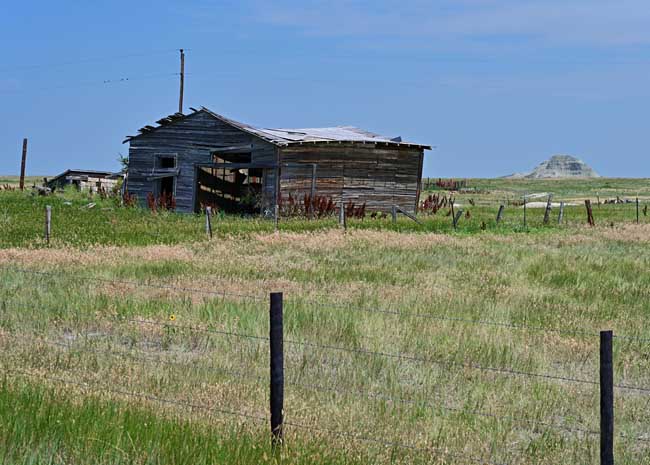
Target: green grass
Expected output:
[106,223]
[47,425]
[570,278]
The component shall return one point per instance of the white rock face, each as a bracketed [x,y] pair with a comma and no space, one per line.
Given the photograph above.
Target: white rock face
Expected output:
[562,166]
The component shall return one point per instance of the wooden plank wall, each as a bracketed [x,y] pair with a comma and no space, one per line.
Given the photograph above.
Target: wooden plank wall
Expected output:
[192,140]
[379,175]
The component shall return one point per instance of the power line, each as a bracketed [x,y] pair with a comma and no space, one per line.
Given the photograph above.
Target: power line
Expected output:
[91,59]
[98,82]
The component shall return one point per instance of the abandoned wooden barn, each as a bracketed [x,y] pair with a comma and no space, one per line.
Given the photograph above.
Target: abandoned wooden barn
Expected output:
[203,158]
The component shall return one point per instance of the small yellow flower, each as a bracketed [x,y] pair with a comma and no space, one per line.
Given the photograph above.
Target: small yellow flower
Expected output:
[172,317]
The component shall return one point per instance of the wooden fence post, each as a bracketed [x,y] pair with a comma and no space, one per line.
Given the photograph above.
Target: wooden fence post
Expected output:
[276,217]
[561,214]
[277,367]
[590,214]
[500,213]
[22,165]
[459,213]
[606,399]
[637,210]
[312,192]
[208,221]
[547,212]
[393,213]
[341,213]
[524,211]
[48,223]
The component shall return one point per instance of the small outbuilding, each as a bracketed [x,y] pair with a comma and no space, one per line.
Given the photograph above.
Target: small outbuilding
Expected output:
[203,158]
[93,181]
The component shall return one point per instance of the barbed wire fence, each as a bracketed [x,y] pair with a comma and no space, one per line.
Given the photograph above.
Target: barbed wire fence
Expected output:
[279,347]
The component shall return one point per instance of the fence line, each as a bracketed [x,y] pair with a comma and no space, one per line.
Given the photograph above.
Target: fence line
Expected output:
[241,375]
[276,339]
[401,357]
[357,393]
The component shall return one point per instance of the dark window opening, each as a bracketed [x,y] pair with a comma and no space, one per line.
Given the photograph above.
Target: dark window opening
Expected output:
[167,162]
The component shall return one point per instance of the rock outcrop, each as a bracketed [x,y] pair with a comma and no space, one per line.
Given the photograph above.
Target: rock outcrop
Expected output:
[559,166]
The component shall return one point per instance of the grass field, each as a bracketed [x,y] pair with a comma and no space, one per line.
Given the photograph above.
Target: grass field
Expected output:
[114,320]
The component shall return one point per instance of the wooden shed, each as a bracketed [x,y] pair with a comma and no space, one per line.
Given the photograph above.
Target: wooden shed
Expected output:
[85,180]
[203,158]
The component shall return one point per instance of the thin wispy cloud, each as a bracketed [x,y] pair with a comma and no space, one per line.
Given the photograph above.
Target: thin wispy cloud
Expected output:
[550,22]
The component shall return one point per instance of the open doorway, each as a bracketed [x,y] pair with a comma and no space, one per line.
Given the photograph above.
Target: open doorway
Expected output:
[231,184]
[166,186]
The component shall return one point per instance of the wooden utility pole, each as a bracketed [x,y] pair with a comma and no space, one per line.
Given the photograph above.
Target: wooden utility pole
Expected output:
[180,97]
[22,165]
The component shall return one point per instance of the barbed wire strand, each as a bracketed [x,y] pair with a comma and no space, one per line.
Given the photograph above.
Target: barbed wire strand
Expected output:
[479,322]
[141,284]
[152,359]
[358,437]
[412,358]
[356,393]
[241,375]
[103,389]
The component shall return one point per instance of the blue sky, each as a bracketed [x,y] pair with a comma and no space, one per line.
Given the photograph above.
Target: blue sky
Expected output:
[496,86]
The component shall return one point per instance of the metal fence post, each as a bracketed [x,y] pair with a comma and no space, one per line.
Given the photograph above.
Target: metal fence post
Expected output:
[606,399]
[208,221]
[637,210]
[48,223]
[277,368]
[276,217]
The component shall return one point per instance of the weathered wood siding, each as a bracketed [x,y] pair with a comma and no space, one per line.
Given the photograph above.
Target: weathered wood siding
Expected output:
[192,140]
[379,175]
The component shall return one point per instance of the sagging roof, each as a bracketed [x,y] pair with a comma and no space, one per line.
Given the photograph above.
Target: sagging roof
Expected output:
[285,137]
[93,173]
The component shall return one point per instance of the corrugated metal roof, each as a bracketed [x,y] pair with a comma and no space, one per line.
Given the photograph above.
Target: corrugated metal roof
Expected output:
[284,137]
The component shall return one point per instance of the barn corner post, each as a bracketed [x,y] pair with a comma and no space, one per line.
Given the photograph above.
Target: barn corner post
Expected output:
[276,368]
[606,399]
